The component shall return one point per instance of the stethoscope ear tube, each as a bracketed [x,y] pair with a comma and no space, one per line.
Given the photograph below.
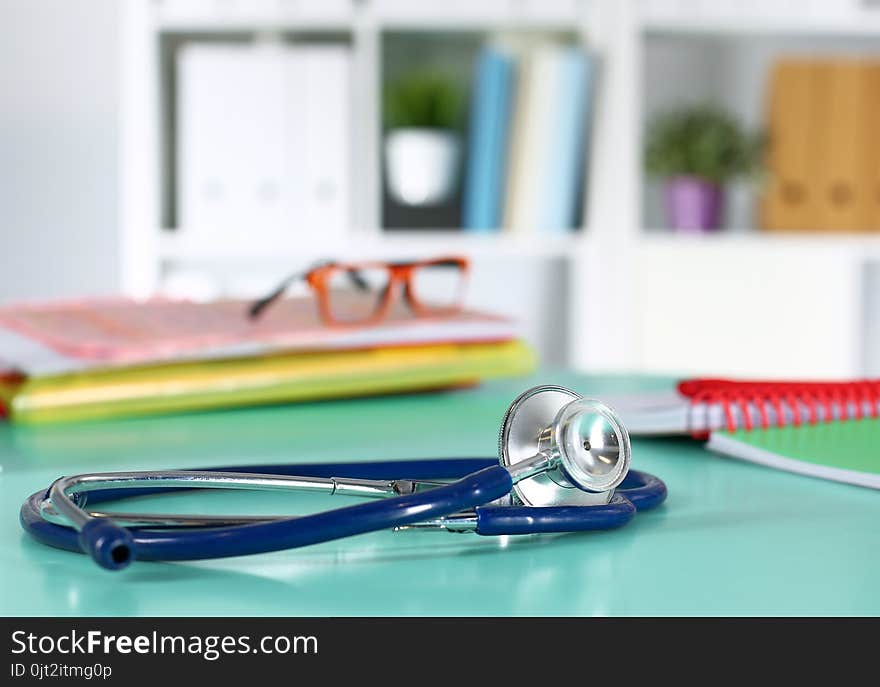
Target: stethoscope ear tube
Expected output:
[643,489]
[497,520]
[414,469]
[113,547]
[110,545]
[639,491]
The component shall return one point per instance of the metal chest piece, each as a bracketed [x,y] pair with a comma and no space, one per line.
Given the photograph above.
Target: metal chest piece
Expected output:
[589,442]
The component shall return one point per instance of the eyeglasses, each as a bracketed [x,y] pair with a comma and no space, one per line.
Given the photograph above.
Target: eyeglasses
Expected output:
[363,293]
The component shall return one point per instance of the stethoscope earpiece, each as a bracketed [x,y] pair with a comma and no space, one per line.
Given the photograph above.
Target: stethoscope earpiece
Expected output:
[585,446]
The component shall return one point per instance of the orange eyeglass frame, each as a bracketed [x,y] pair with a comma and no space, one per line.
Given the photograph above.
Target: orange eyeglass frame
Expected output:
[399,278]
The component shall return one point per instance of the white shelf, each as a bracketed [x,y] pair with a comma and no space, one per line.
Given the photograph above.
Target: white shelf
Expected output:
[771,27]
[485,14]
[861,245]
[482,245]
[775,17]
[247,15]
[273,246]
[452,15]
[254,24]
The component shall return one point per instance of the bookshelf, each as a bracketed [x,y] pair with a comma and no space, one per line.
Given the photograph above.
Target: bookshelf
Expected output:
[621,293]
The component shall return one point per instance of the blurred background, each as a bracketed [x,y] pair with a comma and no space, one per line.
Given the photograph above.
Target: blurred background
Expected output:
[663,186]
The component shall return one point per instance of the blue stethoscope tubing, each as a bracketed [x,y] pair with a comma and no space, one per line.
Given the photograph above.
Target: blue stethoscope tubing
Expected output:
[478,481]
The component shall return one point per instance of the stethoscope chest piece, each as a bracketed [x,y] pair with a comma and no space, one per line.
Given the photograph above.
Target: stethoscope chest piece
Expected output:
[591,444]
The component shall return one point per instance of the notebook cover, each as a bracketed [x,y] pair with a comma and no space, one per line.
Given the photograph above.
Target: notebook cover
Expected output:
[259,380]
[840,451]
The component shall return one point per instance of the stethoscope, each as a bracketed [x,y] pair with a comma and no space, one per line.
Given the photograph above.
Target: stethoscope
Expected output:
[563,467]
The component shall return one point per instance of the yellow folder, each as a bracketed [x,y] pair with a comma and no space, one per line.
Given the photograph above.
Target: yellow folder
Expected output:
[249,381]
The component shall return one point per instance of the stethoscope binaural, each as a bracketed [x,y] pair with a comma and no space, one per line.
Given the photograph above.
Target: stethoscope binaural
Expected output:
[563,467]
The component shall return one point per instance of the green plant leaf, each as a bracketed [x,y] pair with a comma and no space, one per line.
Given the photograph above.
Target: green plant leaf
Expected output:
[422,99]
[701,141]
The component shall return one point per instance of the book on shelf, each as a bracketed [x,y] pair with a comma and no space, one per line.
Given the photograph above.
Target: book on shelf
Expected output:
[491,106]
[532,136]
[115,357]
[566,162]
[263,137]
[530,113]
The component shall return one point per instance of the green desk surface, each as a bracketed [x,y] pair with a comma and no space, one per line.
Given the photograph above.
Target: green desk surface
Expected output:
[733,538]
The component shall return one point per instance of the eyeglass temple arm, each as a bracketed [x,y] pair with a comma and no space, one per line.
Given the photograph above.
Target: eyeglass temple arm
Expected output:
[257,307]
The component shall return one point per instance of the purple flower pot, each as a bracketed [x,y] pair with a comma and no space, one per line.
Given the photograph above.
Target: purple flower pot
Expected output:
[693,204]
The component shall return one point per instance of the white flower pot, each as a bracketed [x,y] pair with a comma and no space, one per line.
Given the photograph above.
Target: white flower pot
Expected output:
[422,165]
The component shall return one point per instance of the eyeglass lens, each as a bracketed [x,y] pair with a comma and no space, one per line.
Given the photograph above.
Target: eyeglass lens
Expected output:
[356,293]
[438,286]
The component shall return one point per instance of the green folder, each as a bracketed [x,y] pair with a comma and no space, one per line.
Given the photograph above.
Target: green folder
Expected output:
[844,451]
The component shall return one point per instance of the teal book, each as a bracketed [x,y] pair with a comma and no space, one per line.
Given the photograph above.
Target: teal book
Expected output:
[563,180]
[840,451]
[487,146]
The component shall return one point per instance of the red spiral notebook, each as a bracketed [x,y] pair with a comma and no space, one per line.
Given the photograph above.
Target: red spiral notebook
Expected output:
[822,429]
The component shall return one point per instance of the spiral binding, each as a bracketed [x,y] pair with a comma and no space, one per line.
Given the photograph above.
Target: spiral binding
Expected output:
[835,399]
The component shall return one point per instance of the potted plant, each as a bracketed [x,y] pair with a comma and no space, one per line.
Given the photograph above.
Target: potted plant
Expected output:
[422,145]
[697,150]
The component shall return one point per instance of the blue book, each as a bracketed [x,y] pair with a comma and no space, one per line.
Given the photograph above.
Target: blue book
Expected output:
[487,151]
[566,156]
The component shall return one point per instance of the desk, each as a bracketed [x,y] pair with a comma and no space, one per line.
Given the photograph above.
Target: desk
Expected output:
[733,538]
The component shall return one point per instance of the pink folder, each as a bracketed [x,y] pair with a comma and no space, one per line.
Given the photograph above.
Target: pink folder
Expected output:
[122,331]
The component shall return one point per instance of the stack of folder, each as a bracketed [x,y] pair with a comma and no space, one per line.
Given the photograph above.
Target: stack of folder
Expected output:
[115,358]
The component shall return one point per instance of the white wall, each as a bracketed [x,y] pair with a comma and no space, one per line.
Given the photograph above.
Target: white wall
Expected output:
[59,91]
[775,310]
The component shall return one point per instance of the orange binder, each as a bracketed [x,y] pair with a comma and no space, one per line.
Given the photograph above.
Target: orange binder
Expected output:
[871,127]
[824,152]
[790,200]
[841,175]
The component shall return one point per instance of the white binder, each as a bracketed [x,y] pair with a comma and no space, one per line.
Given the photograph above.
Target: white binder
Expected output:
[262,140]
